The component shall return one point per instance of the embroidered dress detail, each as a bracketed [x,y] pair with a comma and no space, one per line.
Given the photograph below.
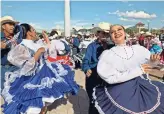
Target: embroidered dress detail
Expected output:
[36,83]
[127,89]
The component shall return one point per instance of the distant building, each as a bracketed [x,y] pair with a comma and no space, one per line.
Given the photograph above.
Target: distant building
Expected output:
[140,26]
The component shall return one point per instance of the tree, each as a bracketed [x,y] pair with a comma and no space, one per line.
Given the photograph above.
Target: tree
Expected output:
[129,31]
[144,30]
[155,31]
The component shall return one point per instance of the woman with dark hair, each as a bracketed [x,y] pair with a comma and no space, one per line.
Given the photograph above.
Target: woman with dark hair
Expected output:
[127,88]
[37,82]
[53,35]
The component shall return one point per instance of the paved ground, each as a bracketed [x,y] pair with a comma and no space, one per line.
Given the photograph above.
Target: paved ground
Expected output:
[79,104]
[71,104]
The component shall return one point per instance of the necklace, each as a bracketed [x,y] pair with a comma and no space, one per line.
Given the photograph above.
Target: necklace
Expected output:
[126,54]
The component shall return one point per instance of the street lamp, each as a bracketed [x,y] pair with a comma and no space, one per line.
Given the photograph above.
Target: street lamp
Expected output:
[148,25]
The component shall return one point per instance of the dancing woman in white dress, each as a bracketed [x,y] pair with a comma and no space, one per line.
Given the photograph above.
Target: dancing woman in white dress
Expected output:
[128,89]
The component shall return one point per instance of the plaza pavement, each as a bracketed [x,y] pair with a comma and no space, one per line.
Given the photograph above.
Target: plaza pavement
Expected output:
[79,104]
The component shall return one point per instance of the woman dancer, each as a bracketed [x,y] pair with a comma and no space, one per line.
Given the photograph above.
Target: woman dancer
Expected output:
[37,81]
[127,90]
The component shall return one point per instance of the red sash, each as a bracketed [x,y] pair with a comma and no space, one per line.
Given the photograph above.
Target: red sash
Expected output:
[62,59]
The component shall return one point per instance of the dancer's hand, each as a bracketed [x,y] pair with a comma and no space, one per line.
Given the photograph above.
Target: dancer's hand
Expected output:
[146,68]
[45,36]
[89,72]
[41,50]
[155,57]
[3,45]
[38,53]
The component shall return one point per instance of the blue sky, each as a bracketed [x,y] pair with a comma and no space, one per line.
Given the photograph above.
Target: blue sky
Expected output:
[48,15]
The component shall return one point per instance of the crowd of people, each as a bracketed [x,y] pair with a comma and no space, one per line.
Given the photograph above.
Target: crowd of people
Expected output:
[37,70]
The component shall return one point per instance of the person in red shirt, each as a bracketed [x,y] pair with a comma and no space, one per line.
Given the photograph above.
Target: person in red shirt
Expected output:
[141,40]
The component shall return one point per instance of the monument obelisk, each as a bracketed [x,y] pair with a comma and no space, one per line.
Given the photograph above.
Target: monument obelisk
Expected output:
[67,23]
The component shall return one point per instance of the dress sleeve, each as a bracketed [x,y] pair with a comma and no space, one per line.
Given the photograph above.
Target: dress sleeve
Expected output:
[21,57]
[145,52]
[110,74]
[146,56]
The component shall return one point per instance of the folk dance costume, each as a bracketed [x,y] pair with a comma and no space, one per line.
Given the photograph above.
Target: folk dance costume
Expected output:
[35,84]
[62,55]
[127,90]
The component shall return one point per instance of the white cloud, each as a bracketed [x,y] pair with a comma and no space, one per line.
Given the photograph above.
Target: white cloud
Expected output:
[148,20]
[125,1]
[9,6]
[155,28]
[59,23]
[80,22]
[114,13]
[134,14]
[162,20]
[38,27]
[130,5]
[127,26]
[128,20]
[97,19]
[75,24]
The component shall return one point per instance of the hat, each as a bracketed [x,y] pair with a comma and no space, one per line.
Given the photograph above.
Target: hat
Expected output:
[148,34]
[8,19]
[80,33]
[107,31]
[142,32]
[98,31]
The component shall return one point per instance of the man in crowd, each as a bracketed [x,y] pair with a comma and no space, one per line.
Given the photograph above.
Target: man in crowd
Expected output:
[89,65]
[7,33]
[141,40]
[76,42]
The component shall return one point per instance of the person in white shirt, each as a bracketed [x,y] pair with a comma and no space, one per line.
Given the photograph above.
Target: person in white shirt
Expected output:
[127,88]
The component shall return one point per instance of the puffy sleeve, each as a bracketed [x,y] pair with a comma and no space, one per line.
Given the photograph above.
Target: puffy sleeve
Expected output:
[110,74]
[146,56]
[55,46]
[58,45]
[21,57]
[145,52]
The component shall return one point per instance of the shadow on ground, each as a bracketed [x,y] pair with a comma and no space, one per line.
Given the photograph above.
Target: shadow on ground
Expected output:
[72,104]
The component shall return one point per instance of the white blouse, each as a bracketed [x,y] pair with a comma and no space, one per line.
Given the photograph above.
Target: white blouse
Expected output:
[21,57]
[57,46]
[122,63]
